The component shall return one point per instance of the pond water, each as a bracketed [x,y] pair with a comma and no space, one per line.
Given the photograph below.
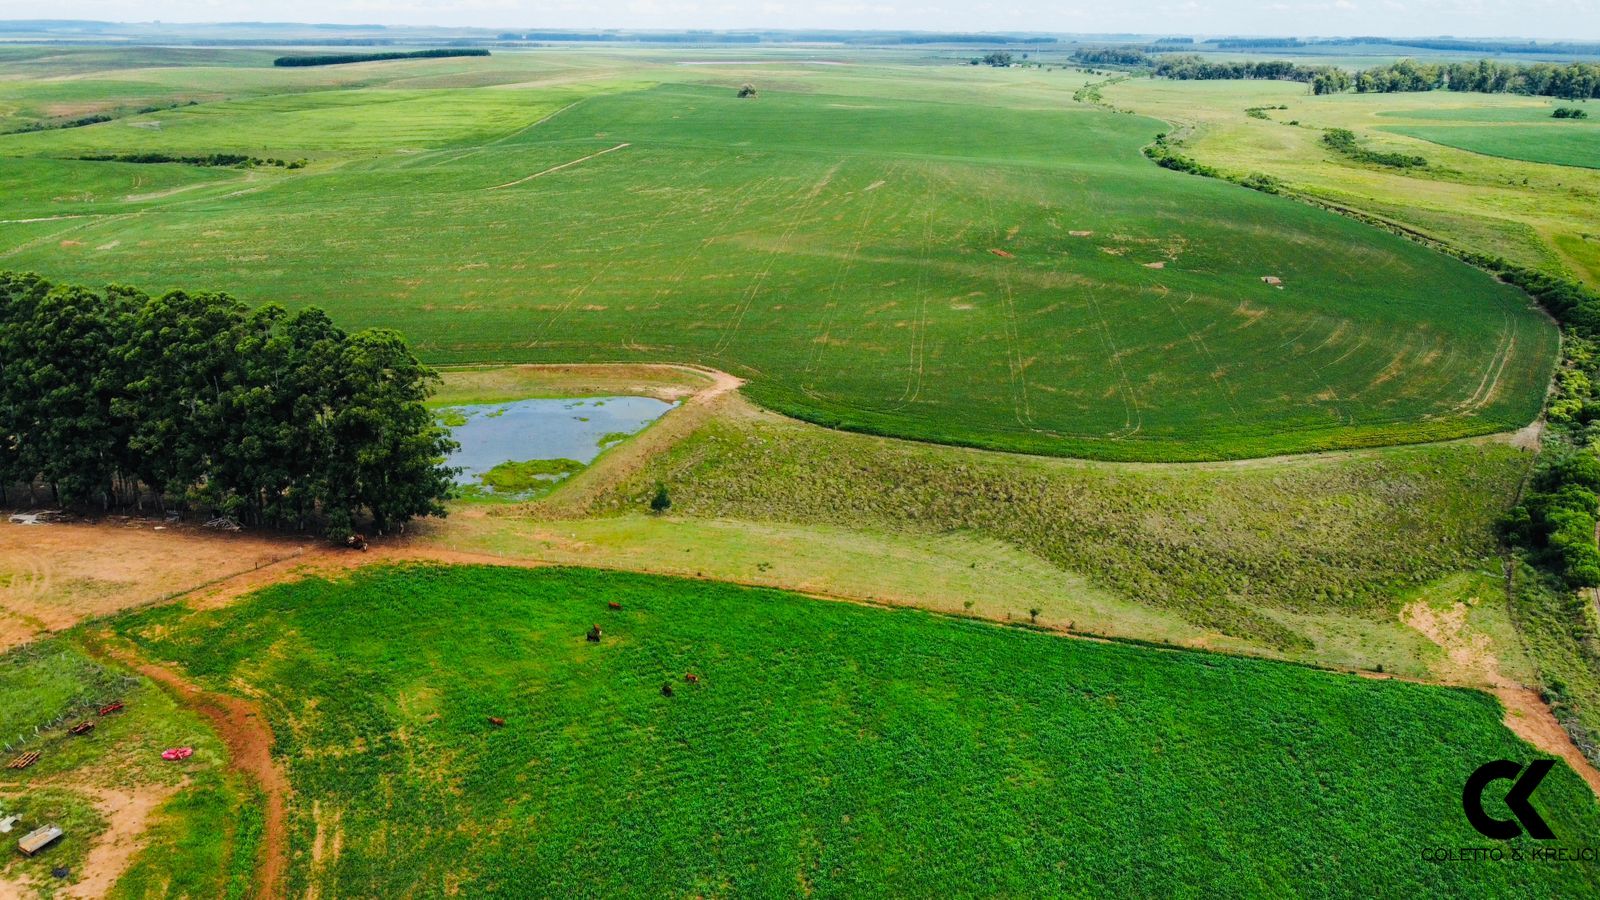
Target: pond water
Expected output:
[527,430]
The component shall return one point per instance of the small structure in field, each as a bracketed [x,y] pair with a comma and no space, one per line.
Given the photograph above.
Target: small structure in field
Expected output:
[38,839]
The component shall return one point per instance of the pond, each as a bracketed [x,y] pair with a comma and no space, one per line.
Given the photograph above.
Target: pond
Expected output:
[524,448]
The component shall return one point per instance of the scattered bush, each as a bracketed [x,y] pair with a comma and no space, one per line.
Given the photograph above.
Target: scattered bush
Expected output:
[1569,112]
[1343,141]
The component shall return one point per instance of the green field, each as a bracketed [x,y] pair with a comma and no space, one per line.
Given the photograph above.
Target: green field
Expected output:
[1562,143]
[829,749]
[868,261]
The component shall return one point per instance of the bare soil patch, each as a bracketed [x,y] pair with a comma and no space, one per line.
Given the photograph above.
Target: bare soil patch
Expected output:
[55,575]
[1471,662]
[243,727]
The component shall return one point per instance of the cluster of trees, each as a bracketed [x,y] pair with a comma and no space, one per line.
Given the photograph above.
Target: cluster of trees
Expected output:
[1112,56]
[1569,112]
[1569,81]
[213,159]
[1323,79]
[1557,519]
[999,59]
[1343,141]
[265,416]
[339,59]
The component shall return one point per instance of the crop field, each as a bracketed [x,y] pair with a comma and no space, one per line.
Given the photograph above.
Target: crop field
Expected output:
[827,748]
[1569,143]
[992,264]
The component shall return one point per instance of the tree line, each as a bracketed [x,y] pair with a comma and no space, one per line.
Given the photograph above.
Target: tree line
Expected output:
[339,59]
[266,416]
[1568,81]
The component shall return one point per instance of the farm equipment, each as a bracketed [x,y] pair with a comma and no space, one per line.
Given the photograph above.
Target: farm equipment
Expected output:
[25,760]
[38,839]
[83,727]
[109,708]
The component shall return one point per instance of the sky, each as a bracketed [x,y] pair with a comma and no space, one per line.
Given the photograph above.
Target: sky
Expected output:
[1543,19]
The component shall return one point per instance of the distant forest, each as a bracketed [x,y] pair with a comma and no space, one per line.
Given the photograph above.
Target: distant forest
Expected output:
[1567,81]
[343,58]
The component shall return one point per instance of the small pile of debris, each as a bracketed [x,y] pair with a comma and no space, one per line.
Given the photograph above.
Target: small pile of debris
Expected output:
[1273,280]
[42,517]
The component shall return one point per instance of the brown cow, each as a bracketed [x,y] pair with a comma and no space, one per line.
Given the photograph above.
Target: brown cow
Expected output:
[666,689]
[497,722]
[614,605]
[691,677]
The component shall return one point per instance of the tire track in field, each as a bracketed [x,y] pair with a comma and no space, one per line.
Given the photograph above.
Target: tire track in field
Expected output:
[915,366]
[760,281]
[458,156]
[1489,385]
[743,197]
[1133,416]
[1020,407]
[611,260]
[841,276]
[554,169]
[1221,383]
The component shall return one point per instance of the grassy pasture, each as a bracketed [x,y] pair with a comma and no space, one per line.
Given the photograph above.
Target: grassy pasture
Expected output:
[829,749]
[1306,556]
[833,241]
[1536,214]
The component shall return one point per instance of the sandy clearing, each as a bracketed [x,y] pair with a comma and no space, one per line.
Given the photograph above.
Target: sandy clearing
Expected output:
[1470,661]
[127,814]
[53,576]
